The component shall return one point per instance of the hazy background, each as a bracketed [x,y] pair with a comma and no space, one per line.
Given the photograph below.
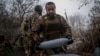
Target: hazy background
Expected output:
[83,16]
[71,7]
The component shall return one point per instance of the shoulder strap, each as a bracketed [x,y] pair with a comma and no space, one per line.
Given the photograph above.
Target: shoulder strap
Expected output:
[61,28]
[44,31]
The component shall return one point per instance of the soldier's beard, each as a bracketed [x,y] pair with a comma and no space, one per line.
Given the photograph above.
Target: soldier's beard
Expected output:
[51,16]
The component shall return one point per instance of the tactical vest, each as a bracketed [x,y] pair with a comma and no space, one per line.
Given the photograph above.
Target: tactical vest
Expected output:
[52,27]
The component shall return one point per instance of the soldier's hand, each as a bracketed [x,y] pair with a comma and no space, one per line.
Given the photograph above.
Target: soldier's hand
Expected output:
[69,37]
[35,38]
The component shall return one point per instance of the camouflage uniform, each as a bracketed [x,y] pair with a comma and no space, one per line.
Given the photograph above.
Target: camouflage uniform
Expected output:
[48,29]
[26,32]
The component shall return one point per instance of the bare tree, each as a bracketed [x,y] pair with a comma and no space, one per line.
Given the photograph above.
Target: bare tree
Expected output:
[10,21]
[77,23]
[3,16]
[22,7]
[92,35]
[84,2]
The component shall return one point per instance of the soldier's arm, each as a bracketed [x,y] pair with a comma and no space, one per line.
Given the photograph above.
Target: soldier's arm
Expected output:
[36,28]
[67,28]
[37,25]
[24,27]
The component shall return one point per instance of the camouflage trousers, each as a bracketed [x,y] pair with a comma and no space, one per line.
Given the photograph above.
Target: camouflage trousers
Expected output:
[30,46]
[27,44]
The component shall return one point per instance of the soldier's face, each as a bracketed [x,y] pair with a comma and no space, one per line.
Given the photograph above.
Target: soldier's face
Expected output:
[50,9]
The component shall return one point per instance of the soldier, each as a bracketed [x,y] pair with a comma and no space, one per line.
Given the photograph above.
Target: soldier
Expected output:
[26,29]
[51,25]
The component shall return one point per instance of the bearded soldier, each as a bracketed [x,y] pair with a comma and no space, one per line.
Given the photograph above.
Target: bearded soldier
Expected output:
[26,29]
[51,25]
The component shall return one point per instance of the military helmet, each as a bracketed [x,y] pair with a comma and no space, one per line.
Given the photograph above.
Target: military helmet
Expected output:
[38,8]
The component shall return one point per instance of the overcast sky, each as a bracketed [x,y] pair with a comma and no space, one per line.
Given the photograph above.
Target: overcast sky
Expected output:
[71,7]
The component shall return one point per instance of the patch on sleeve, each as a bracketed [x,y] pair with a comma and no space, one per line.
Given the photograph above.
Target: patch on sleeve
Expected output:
[45,17]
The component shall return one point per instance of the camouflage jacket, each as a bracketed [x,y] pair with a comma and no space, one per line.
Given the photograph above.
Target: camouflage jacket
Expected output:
[43,27]
[28,24]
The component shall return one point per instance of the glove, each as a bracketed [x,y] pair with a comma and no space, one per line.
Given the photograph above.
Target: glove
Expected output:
[70,41]
[69,37]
